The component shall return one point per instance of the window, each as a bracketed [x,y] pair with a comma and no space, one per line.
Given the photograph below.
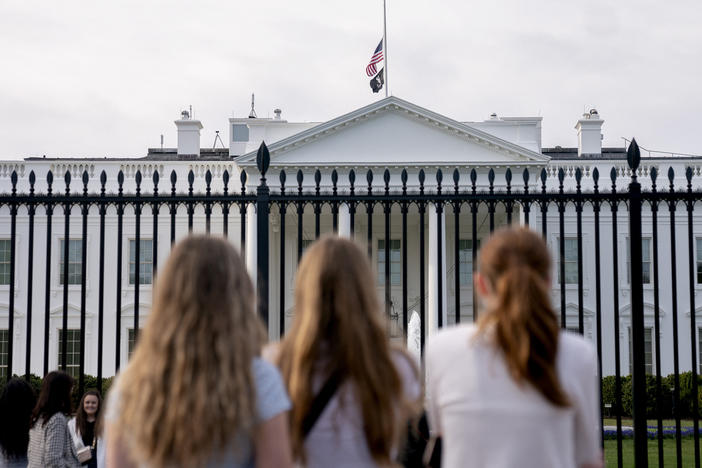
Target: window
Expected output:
[699,261]
[131,342]
[240,132]
[395,262]
[146,258]
[75,247]
[648,351]
[4,347]
[72,351]
[570,260]
[645,260]
[465,261]
[5,248]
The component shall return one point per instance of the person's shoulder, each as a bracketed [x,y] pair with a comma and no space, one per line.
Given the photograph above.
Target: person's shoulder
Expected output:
[57,420]
[576,350]
[451,337]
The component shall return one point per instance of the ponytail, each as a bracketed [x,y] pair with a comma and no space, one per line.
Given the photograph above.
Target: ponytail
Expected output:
[525,327]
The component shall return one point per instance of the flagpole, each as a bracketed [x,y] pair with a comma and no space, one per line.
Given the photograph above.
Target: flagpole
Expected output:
[385,46]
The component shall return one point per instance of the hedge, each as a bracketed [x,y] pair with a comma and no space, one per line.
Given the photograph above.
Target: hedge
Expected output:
[667,401]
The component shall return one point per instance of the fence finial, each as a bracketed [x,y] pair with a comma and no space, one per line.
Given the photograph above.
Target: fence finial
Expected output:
[263,160]
[633,157]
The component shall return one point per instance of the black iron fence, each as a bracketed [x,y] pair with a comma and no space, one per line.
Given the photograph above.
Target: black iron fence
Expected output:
[464,201]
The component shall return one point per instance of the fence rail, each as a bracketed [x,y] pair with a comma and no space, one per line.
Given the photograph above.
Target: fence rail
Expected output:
[464,204]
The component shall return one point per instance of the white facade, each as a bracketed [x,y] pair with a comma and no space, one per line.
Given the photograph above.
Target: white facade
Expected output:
[392,134]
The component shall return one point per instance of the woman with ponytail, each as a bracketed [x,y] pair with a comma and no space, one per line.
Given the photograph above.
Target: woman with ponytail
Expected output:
[514,390]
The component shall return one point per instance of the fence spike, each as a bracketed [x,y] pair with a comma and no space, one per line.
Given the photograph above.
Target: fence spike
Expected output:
[67,179]
[300,177]
[439,177]
[456,178]
[578,178]
[688,176]
[369,178]
[155,179]
[242,178]
[654,176]
[13,179]
[386,179]
[334,178]
[473,178]
[85,178]
[633,157]
[422,177]
[263,159]
[32,179]
[352,178]
[208,177]
[317,179]
[491,179]
[281,178]
[525,178]
[508,176]
[49,179]
[191,177]
[137,178]
[596,177]
[103,182]
[671,178]
[225,181]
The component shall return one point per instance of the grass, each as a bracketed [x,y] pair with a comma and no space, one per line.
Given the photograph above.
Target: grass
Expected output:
[651,422]
[669,452]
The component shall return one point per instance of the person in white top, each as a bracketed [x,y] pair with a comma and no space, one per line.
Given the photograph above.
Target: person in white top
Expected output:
[513,390]
[339,335]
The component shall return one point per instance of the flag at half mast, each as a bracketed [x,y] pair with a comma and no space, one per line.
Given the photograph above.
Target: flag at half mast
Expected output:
[375,59]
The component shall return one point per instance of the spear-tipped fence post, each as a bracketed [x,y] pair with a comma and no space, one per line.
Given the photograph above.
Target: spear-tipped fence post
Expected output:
[637,318]
[263,161]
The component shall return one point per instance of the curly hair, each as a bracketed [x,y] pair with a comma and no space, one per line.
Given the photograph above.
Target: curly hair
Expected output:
[189,390]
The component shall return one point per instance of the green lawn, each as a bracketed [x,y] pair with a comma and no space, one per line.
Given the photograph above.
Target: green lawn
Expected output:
[651,422]
[669,455]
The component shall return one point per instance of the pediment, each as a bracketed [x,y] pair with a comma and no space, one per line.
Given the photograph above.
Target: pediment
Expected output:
[395,132]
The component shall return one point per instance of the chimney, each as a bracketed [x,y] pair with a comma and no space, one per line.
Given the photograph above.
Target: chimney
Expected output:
[589,129]
[188,135]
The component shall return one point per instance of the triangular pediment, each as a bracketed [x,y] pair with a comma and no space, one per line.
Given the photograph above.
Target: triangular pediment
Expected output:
[395,132]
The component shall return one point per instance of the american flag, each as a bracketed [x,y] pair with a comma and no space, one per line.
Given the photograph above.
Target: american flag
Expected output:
[376,58]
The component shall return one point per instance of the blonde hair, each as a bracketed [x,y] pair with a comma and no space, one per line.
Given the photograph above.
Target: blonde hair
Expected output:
[188,389]
[517,265]
[339,328]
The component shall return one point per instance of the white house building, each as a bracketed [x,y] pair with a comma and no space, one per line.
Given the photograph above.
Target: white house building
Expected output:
[388,134]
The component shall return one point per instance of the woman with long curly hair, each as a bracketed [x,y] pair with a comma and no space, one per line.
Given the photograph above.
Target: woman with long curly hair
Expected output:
[514,390]
[86,428]
[195,392]
[339,347]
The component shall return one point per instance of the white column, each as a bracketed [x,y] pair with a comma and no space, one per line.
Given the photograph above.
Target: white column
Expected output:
[251,242]
[434,271]
[344,221]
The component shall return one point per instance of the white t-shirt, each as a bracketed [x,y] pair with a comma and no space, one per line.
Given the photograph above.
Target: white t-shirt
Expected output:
[337,439]
[487,420]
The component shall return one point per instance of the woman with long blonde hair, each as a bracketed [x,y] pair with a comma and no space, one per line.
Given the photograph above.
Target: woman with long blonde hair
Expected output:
[514,390]
[195,392]
[339,346]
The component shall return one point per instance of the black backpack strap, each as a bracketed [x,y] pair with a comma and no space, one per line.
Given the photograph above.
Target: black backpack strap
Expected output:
[320,402]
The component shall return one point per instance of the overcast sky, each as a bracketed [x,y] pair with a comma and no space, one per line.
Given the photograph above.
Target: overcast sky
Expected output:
[86,79]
